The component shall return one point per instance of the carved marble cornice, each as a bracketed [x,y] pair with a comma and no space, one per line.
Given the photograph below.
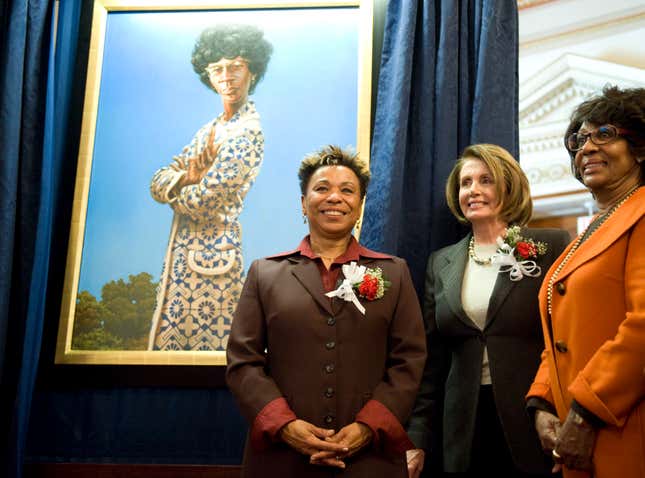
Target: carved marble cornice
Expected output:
[562,91]
[566,82]
[541,143]
[548,173]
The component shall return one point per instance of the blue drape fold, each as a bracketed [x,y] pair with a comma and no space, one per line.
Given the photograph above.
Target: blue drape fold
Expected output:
[59,84]
[36,92]
[25,35]
[448,78]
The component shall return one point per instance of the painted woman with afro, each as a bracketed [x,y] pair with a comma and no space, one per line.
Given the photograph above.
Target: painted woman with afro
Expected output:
[205,185]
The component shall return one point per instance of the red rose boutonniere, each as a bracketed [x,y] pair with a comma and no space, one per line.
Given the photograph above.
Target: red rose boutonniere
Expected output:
[373,286]
[515,254]
[368,283]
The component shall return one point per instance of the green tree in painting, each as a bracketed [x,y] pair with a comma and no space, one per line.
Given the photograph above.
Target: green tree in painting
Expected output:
[121,320]
[89,331]
[90,314]
[97,339]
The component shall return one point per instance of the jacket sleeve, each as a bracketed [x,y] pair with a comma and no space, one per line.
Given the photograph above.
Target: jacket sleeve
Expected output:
[164,182]
[394,396]
[258,396]
[541,386]
[424,426]
[227,181]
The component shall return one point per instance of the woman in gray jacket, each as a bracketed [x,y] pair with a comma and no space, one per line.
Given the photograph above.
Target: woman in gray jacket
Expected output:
[483,330]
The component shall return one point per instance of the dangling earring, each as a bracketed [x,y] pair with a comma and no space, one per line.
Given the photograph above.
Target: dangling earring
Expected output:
[357,225]
[304,219]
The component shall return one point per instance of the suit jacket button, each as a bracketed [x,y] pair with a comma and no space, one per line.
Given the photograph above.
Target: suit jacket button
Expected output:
[330,345]
[561,346]
[329,392]
[329,368]
[329,419]
[561,288]
[331,321]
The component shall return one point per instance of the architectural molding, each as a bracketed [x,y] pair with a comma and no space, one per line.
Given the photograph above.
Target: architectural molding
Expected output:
[546,24]
[523,4]
[570,78]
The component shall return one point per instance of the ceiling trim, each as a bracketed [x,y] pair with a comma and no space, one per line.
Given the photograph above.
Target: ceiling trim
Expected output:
[524,4]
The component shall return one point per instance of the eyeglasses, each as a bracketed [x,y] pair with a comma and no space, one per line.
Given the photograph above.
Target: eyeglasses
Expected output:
[235,67]
[603,135]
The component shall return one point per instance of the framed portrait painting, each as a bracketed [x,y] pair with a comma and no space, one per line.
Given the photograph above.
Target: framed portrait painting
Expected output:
[195,119]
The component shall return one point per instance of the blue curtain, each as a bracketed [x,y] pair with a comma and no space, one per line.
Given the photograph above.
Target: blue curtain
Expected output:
[448,78]
[36,90]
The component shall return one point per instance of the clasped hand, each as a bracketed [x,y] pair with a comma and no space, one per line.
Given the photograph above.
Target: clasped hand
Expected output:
[570,443]
[324,446]
[197,166]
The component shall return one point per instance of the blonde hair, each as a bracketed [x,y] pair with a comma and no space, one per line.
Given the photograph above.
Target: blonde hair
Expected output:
[511,184]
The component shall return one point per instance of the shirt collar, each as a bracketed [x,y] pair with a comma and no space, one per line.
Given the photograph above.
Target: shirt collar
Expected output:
[245,109]
[353,253]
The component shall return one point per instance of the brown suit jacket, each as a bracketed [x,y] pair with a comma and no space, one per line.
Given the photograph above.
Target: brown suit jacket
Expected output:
[289,340]
[595,339]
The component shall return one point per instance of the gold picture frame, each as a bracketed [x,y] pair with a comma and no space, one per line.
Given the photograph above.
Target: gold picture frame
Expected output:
[142,102]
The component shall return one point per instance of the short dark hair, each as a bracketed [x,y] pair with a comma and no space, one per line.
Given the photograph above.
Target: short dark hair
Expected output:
[511,184]
[623,108]
[332,155]
[230,41]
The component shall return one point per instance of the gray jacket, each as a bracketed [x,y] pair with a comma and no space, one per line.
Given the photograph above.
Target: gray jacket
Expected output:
[443,419]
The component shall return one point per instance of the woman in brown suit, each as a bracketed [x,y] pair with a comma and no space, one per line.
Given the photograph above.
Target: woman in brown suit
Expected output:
[327,345]
[590,387]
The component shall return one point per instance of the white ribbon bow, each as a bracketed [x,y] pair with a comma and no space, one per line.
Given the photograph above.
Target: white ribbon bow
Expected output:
[353,273]
[518,269]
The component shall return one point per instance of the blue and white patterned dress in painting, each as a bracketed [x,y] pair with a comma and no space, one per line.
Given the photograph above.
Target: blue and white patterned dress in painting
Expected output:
[203,270]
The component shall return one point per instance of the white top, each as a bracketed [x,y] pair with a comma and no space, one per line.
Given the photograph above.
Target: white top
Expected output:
[476,291]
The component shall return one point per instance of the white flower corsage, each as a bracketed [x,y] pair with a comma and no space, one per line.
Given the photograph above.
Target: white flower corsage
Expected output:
[514,254]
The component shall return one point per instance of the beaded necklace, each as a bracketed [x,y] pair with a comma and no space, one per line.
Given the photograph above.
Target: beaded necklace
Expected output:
[475,257]
[589,230]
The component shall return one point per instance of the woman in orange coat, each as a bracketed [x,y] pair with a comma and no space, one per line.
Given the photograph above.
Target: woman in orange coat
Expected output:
[588,392]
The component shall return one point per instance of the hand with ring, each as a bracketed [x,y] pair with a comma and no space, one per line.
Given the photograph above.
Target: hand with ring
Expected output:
[557,460]
[575,443]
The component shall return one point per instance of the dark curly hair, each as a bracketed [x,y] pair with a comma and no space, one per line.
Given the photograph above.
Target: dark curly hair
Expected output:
[230,41]
[622,108]
[332,155]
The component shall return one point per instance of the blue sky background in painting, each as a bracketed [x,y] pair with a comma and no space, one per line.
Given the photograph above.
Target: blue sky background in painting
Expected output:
[152,103]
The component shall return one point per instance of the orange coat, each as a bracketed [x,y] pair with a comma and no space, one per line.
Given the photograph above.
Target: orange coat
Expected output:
[595,339]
